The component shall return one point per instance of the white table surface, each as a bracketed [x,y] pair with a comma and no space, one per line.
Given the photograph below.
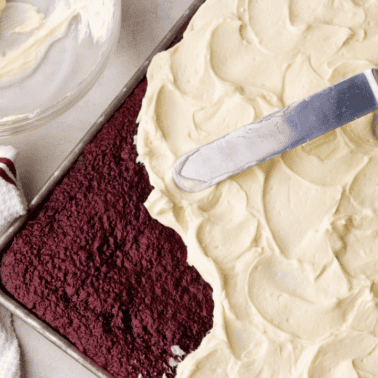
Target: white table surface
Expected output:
[144,24]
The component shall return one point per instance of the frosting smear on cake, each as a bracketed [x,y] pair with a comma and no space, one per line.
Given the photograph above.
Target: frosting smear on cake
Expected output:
[290,247]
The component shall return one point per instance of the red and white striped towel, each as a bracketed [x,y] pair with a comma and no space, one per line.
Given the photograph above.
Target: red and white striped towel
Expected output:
[12,200]
[12,205]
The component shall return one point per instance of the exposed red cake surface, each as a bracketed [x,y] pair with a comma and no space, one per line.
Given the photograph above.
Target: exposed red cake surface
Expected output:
[95,266]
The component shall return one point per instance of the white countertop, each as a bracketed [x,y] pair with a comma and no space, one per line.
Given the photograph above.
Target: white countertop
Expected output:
[144,25]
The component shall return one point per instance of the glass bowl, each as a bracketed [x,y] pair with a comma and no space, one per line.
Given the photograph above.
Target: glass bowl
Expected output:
[66,73]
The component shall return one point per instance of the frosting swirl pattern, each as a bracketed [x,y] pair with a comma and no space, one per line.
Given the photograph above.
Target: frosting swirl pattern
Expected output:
[290,247]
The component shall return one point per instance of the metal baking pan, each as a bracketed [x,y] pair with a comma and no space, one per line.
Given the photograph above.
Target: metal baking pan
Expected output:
[14,306]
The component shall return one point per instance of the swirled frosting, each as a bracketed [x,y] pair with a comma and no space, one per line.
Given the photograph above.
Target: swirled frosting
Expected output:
[290,247]
[95,15]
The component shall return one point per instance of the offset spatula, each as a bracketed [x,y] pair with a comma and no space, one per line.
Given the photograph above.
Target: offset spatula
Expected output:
[277,132]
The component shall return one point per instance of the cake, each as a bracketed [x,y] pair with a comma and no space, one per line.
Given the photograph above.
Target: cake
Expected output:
[289,247]
[2,6]
[95,267]
[286,250]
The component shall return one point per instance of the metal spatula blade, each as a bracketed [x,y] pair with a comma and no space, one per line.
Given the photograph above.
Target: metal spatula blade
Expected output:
[277,132]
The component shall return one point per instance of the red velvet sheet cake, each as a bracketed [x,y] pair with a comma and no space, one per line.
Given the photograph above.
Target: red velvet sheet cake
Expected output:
[95,266]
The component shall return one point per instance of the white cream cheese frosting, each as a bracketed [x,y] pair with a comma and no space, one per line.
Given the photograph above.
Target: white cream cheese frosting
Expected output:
[95,17]
[290,247]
